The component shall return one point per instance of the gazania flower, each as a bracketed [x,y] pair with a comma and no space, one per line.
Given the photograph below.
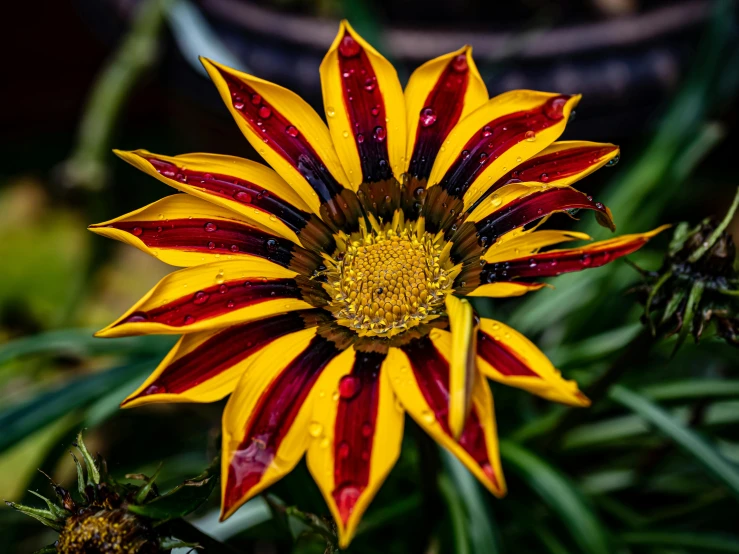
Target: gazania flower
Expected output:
[327,295]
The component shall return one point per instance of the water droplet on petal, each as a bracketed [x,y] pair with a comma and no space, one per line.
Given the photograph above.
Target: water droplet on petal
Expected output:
[428,416]
[200,297]
[265,112]
[428,117]
[349,386]
[292,131]
[137,231]
[348,47]
[530,136]
[613,161]
[210,227]
[344,449]
[554,107]
[367,429]
[379,133]
[459,64]
[315,429]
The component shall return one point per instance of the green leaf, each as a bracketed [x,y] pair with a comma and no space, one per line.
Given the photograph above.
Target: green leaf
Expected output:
[21,420]
[701,542]
[456,514]
[481,529]
[685,437]
[81,343]
[181,500]
[560,495]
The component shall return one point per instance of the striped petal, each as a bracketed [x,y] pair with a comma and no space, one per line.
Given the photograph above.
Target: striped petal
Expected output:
[556,262]
[216,295]
[355,440]
[267,419]
[561,164]
[292,138]
[506,356]
[486,224]
[520,242]
[366,116]
[419,373]
[184,230]
[461,361]
[439,93]
[205,367]
[494,138]
[505,289]
[255,192]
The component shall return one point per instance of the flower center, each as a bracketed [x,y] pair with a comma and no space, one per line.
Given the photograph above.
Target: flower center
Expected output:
[386,281]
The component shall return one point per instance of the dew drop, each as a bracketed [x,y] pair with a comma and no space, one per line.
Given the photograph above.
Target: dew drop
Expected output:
[210,227]
[459,64]
[344,449]
[239,105]
[315,429]
[379,133]
[330,111]
[223,289]
[375,111]
[242,196]
[349,386]
[234,248]
[211,245]
[428,416]
[486,132]
[265,112]
[367,429]
[348,47]
[554,107]
[530,136]
[154,389]
[360,138]
[586,260]
[137,231]
[271,245]
[544,178]
[256,99]
[496,200]
[345,134]
[613,161]
[370,84]
[465,154]
[292,131]
[428,117]
[200,297]
[189,320]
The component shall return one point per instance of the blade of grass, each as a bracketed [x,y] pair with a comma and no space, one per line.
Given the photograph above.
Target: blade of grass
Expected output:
[685,437]
[560,495]
[21,420]
[481,526]
[701,542]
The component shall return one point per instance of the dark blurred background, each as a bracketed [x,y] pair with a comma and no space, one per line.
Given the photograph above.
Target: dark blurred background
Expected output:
[659,78]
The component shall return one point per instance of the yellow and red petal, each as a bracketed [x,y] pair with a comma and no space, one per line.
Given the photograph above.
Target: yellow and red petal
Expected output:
[439,93]
[356,439]
[205,367]
[462,367]
[486,224]
[506,356]
[556,262]
[505,289]
[184,230]
[561,164]
[216,295]
[366,115]
[492,140]
[520,242]
[286,132]
[419,374]
[267,419]
[252,190]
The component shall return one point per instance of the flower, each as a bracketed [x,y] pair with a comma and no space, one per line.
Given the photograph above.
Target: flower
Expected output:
[110,516]
[327,296]
[697,283]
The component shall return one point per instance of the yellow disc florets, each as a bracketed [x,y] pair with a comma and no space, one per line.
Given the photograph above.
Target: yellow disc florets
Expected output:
[390,279]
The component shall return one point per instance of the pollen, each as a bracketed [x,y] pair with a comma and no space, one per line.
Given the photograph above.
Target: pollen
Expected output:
[389,279]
